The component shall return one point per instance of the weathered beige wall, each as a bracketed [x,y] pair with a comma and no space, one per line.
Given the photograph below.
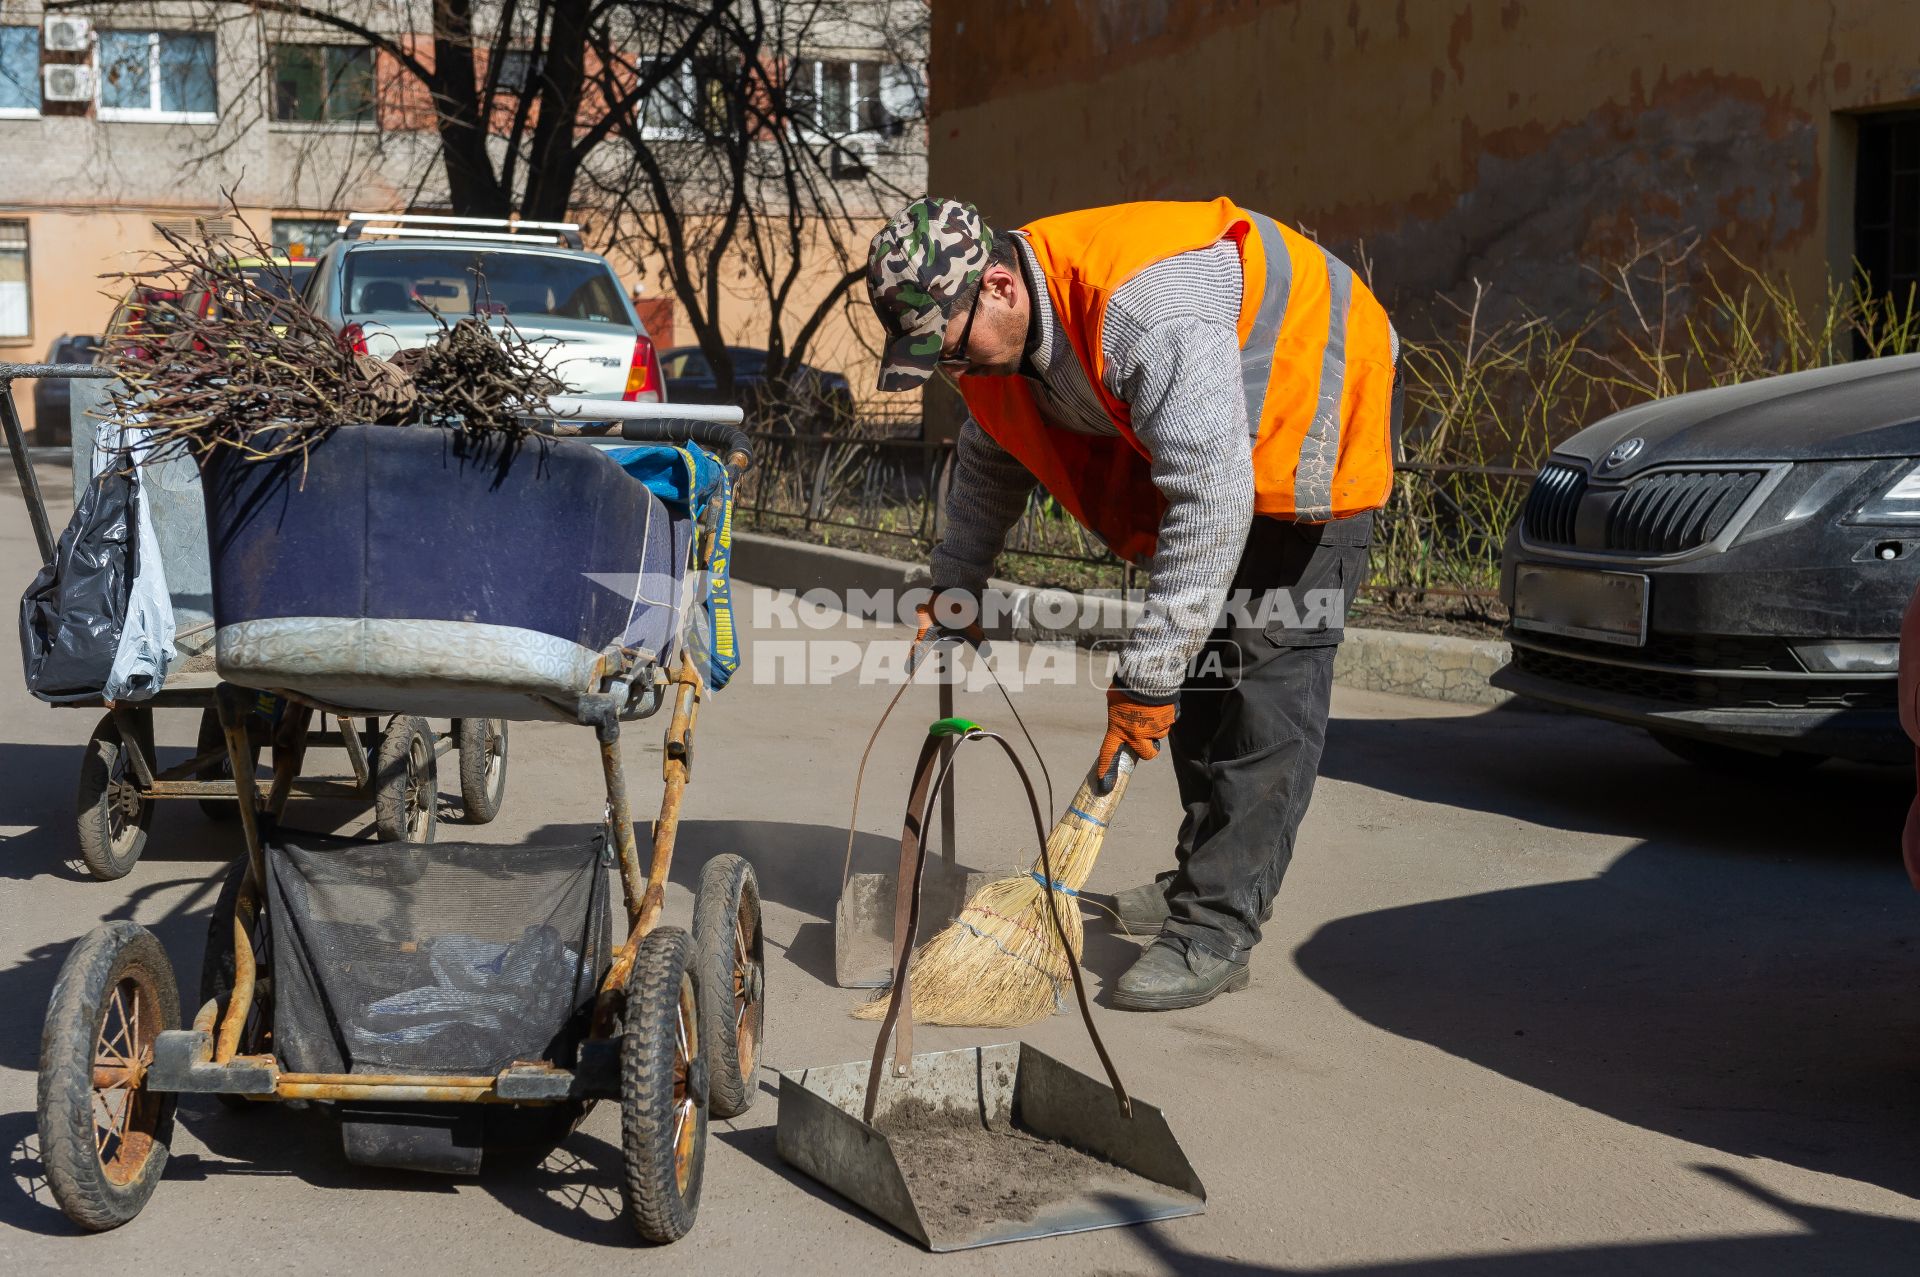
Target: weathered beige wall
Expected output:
[69,250]
[846,341]
[1510,141]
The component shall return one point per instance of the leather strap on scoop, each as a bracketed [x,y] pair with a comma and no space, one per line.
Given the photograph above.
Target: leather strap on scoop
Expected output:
[927,786]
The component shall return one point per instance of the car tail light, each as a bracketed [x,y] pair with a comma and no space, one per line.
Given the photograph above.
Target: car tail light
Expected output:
[353,338]
[643,374]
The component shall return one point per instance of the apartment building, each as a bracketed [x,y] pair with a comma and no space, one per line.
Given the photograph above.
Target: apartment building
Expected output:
[127,119]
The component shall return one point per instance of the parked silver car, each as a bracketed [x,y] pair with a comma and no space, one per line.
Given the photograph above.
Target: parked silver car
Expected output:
[392,280]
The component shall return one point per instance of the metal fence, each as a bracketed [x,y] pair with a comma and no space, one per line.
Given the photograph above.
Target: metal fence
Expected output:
[1439,535]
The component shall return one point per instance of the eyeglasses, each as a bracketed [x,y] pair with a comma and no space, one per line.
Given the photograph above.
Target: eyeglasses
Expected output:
[959,359]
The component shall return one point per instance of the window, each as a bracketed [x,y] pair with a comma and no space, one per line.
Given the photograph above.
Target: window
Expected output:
[397,282]
[15,313]
[299,237]
[834,97]
[19,71]
[162,76]
[322,83]
[1886,205]
[519,72]
[683,104]
[686,366]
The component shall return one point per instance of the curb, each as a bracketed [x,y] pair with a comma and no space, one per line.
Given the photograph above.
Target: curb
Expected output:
[1433,667]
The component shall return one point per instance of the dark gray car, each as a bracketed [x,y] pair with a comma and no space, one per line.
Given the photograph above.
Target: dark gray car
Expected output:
[1728,568]
[53,396]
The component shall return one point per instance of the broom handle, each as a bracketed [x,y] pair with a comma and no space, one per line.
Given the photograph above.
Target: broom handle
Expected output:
[1094,791]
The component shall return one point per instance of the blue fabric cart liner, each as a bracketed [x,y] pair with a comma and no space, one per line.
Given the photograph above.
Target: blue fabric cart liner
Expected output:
[691,479]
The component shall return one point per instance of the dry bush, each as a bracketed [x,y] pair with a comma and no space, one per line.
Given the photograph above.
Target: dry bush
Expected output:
[1487,401]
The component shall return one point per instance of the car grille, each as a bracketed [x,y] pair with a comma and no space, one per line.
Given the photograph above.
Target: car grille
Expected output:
[1689,651]
[1676,510]
[1683,689]
[1552,503]
[1663,513]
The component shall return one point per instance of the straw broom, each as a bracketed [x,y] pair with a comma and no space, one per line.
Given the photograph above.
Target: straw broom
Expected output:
[1000,963]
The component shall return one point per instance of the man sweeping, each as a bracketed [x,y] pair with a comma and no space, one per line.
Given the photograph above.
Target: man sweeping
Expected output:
[1211,394]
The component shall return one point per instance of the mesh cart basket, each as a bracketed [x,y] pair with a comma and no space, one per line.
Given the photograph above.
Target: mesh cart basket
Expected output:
[449,958]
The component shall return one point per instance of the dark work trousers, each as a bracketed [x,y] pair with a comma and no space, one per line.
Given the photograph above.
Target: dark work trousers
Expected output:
[1252,722]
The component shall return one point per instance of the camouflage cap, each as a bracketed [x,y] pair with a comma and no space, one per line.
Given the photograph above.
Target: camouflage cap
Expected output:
[921,262]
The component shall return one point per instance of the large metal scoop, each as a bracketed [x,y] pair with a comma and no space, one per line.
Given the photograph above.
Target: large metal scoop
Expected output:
[985,1145]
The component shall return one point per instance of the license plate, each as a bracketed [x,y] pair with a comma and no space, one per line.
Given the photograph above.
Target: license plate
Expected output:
[1608,607]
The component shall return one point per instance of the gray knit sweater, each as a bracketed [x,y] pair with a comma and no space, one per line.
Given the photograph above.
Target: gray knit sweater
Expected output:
[1172,351]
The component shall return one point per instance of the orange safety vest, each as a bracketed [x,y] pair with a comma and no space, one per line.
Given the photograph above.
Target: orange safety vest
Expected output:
[1316,360]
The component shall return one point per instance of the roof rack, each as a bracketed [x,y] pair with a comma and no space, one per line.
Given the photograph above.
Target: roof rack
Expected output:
[429,226]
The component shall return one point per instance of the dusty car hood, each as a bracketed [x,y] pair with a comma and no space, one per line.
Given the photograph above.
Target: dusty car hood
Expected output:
[1865,409]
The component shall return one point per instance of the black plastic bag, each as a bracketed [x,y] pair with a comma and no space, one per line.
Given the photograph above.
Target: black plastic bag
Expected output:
[72,615]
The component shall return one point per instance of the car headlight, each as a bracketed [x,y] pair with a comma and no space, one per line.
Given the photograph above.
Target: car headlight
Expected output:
[1850,656]
[1898,504]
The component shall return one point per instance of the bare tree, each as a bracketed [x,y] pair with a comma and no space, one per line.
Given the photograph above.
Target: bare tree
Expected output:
[746,145]
[503,84]
[759,172]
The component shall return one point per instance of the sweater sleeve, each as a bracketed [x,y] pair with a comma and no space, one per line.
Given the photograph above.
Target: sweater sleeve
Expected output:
[1173,354]
[987,497]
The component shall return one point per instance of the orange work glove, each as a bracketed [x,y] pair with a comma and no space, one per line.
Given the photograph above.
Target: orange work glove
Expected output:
[1138,726]
[957,604]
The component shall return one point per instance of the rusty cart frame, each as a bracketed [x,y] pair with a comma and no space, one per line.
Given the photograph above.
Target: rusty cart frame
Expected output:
[120,776]
[675,1025]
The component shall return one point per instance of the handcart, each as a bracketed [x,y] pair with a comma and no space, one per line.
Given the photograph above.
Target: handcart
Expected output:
[394,764]
[455,1005]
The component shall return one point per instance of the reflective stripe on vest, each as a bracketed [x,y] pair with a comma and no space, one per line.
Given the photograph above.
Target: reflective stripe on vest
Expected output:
[1256,355]
[1320,446]
[1320,450]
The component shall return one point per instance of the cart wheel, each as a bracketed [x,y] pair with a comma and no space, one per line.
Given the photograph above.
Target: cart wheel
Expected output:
[406,796]
[483,767]
[216,969]
[103,1136]
[113,815]
[727,937]
[213,737]
[663,1088]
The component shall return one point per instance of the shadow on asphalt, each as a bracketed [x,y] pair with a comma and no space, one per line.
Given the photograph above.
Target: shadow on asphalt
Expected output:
[41,785]
[1830,1241]
[1742,979]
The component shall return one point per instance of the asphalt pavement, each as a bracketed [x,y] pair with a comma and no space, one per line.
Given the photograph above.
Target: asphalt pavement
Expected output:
[1536,999]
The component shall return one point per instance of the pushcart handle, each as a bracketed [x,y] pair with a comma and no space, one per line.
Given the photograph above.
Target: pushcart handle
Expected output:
[17,441]
[9,371]
[715,425]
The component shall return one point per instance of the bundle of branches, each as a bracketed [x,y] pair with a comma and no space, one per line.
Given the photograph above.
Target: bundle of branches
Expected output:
[483,378]
[218,351]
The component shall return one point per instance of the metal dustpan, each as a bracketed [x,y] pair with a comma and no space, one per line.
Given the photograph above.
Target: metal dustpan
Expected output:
[985,1144]
[1135,1170]
[863,921]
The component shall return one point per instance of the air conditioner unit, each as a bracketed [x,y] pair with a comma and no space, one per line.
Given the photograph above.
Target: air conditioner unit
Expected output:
[69,35]
[69,82]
